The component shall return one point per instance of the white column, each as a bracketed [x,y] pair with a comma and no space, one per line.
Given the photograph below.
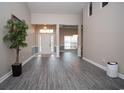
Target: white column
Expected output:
[57,41]
[79,41]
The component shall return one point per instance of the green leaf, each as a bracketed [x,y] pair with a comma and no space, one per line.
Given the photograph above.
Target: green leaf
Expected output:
[17,33]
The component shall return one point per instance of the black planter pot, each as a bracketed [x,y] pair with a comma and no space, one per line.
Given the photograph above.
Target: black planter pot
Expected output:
[17,69]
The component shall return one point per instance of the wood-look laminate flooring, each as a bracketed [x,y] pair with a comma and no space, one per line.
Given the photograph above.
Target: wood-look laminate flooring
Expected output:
[65,73]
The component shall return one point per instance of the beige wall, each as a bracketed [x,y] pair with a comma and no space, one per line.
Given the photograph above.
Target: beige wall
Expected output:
[67,19]
[103,34]
[68,32]
[7,56]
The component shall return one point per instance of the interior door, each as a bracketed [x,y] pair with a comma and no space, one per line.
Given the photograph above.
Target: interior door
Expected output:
[45,43]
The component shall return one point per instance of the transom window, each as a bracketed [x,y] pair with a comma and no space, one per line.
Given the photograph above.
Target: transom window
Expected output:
[104,4]
[46,31]
[90,9]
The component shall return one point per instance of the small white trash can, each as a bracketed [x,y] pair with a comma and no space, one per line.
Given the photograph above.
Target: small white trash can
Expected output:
[112,69]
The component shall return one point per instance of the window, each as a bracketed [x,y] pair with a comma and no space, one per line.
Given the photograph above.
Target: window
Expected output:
[104,4]
[70,42]
[90,9]
[46,31]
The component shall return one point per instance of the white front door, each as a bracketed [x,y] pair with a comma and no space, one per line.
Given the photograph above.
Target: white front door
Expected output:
[45,43]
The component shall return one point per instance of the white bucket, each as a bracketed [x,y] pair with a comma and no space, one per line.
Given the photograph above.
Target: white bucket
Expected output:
[112,69]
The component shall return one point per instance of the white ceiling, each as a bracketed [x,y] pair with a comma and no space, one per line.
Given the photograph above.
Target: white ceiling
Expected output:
[56,7]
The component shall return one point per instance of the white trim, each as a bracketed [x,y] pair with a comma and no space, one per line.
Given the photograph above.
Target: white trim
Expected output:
[23,63]
[121,76]
[57,51]
[79,50]
[94,63]
[101,66]
[4,77]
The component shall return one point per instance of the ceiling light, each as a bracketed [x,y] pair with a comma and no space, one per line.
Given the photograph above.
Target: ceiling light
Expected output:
[45,27]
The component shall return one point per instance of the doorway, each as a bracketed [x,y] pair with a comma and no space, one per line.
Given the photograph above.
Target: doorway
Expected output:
[69,38]
[46,41]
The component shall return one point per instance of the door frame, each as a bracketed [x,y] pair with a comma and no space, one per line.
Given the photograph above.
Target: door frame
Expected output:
[39,42]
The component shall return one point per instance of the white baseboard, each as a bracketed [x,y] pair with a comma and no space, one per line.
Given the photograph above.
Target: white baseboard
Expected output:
[23,63]
[10,72]
[94,63]
[5,76]
[121,76]
[101,66]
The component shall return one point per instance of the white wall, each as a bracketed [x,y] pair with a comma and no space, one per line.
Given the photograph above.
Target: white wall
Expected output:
[56,19]
[7,56]
[103,34]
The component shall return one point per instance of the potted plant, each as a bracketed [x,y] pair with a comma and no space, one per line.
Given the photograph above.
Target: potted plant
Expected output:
[15,38]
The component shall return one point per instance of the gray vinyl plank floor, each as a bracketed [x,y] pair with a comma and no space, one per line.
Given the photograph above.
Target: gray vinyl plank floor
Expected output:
[65,73]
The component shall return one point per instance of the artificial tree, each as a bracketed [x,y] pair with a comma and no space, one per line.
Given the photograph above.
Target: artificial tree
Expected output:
[16,35]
